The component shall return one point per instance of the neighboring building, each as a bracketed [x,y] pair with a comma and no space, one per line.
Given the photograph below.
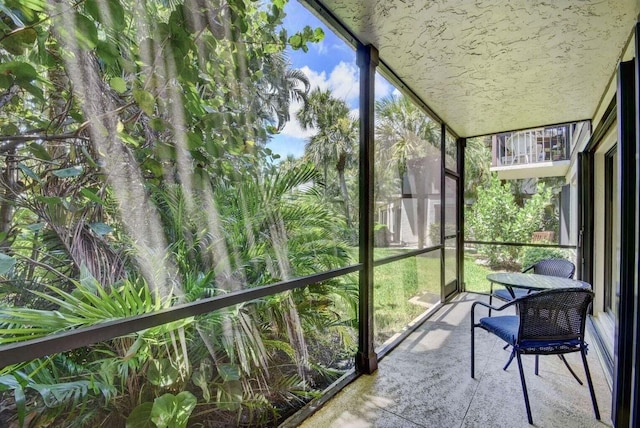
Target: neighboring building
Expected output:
[417,210]
[538,153]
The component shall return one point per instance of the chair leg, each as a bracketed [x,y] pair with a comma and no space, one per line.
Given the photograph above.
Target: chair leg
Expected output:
[490,296]
[590,383]
[524,389]
[513,354]
[473,344]
[472,354]
[566,363]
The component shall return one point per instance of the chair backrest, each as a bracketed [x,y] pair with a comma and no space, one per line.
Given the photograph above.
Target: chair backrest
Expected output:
[553,267]
[558,314]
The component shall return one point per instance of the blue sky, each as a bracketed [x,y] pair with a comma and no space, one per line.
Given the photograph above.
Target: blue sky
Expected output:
[330,64]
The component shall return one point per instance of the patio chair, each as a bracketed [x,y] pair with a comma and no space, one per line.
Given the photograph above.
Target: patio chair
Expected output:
[546,323]
[552,267]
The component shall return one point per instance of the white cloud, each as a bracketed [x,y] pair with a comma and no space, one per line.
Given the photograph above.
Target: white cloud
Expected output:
[317,80]
[293,128]
[320,47]
[383,87]
[343,82]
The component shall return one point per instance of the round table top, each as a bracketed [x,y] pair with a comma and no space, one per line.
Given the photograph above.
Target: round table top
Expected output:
[532,281]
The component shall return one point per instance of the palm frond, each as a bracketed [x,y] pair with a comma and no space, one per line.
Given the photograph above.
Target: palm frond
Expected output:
[89,304]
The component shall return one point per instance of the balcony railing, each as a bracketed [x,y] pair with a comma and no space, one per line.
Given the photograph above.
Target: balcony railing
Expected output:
[531,146]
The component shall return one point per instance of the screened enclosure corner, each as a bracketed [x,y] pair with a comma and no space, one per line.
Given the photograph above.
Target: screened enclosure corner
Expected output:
[221,213]
[519,214]
[181,212]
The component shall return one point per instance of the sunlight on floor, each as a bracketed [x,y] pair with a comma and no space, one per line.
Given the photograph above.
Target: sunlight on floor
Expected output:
[425,382]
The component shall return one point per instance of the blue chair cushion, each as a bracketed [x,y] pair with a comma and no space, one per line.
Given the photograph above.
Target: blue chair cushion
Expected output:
[505,327]
[504,294]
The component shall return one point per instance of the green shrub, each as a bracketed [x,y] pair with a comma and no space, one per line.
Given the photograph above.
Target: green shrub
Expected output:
[381,235]
[497,217]
[434,231]
[532,255]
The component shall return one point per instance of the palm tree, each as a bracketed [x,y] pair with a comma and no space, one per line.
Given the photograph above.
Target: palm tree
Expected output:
[477,165]
[405,133]
[336,139]
[275,229]
[280,86]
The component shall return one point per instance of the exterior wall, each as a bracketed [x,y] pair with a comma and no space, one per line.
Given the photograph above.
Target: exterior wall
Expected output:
[604,322]
[573,223]
[408,233]
[421,182]
[409,219]
[579,140]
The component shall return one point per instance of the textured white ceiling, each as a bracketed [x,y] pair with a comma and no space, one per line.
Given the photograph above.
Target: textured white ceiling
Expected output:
[486,66]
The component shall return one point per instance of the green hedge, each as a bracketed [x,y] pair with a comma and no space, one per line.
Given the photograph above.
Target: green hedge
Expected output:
[532,255]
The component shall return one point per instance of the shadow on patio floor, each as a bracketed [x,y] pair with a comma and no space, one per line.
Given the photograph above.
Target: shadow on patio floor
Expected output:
[425,382]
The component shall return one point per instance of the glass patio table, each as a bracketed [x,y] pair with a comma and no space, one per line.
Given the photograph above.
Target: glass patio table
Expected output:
[533,282]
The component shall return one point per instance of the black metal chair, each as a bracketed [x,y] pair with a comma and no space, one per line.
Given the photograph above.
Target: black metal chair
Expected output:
[546,323]
[552,267]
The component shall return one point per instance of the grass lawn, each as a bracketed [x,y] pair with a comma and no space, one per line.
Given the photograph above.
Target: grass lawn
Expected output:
[475,275]
[403,290]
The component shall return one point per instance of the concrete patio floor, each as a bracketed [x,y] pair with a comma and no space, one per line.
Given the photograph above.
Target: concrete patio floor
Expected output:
[425,382]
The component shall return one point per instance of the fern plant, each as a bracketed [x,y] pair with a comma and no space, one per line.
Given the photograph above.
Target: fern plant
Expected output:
[79,384]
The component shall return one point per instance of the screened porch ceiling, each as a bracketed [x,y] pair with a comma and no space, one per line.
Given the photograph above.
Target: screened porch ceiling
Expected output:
[486,66]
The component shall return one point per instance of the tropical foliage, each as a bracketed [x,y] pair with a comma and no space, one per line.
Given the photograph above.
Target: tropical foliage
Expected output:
[136,176]
[497,217]
[407,149]
[477,165]
[335,144]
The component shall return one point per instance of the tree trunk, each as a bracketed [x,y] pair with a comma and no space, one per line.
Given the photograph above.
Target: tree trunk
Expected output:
[345,196]
[326,167]
[58,106]
[122,172]
[341,166]
[10,180]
